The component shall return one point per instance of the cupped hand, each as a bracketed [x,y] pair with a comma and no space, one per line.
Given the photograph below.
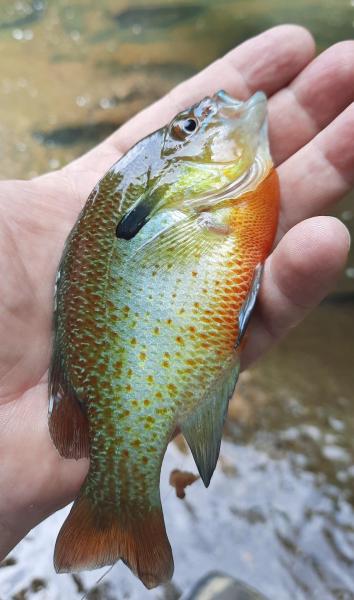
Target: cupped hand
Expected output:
[311,114]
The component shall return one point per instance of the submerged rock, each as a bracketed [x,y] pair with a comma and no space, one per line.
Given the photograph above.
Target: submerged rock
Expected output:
[152,17]
[69,135]
[34,13]
[218,586]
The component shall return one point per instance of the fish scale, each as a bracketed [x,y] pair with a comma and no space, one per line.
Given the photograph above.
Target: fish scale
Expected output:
[149,291]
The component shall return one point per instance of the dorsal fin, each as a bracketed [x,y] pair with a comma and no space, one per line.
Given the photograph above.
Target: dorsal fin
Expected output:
[203,430]
[68,424]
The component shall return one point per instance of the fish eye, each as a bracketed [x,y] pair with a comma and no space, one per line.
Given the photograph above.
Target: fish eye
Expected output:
[190,125]
[182,128]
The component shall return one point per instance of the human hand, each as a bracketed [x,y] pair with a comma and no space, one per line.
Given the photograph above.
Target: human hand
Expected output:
[311,113]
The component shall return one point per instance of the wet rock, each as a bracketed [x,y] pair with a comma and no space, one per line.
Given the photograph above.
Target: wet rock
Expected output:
[78,582]
[252,515]
[222,587]
[37,585]
[8,562]
[170,591]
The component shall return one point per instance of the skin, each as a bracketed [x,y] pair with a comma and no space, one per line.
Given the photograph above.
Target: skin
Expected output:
[311,113]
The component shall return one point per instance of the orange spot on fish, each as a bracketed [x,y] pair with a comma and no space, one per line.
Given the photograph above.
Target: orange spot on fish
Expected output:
[156,330]
[180,340]
[172,389]
[110,429]
[133,341]
[142,355]
[136,443]
[146,402]
[150,379]
[190,361]
[218,320]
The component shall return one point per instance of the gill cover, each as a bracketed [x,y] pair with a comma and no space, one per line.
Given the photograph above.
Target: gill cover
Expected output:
[216,148]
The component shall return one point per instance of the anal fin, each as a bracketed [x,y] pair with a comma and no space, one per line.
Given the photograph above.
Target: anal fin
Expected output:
[68,424]
[203,429]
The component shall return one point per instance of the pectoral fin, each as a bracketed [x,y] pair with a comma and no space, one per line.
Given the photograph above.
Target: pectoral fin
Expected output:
[68,424]
[248,306]
[203,430]
[180,240]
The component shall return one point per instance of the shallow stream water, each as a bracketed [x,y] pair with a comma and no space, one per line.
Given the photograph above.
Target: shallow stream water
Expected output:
[279,513]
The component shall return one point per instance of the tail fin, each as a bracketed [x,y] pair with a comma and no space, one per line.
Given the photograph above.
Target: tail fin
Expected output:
[88,540]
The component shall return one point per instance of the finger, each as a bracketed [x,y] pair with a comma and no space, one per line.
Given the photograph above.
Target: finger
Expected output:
[316,97]
[300,272]
[319,174]
[268,61]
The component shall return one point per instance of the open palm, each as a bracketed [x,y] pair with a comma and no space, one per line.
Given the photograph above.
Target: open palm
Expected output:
[311,114]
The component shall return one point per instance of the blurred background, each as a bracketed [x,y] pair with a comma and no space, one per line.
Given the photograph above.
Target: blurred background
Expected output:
[279,513]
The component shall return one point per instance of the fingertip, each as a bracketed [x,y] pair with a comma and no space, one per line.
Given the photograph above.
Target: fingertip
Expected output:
[293,30]
[309,259]
[290,49]
[300,272]
[296,36]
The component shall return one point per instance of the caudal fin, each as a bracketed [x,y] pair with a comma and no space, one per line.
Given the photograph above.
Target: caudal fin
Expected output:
[89,540]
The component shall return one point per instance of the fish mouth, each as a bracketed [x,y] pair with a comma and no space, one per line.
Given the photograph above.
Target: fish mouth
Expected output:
[252,111]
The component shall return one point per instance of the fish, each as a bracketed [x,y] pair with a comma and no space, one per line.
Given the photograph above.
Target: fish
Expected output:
[154,292]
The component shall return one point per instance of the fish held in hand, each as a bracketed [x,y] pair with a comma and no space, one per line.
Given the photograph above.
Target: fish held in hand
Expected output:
[154,292]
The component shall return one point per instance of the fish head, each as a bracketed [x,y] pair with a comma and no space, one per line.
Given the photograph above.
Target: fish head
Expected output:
[219,131]
[207,152]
